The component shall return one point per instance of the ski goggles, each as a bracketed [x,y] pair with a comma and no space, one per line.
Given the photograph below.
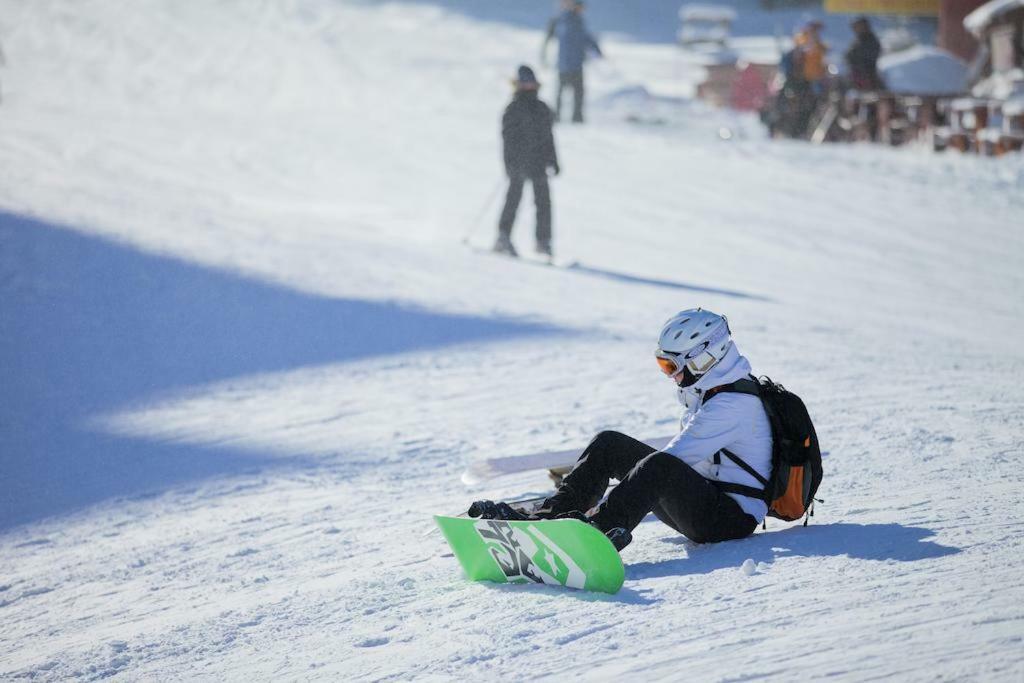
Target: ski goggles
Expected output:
[672,363]
[697,360]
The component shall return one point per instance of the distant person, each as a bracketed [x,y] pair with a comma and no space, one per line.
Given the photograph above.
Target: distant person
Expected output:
[574,40]
[790,113]
[792,66]
[814,52]
[806,69]
[529,151]
[862,56]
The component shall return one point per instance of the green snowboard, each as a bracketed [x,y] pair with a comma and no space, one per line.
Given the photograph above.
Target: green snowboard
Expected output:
[558,552]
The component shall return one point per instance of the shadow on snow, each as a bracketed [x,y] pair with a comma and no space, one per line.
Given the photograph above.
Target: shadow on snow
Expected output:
[627,595]
[658,282]
[880,542]
[88,326]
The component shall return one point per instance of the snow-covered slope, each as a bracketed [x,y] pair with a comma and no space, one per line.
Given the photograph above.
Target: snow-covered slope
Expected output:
[245,357]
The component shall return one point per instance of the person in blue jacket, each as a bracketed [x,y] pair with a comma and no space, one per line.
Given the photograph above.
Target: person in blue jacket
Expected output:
[574,41]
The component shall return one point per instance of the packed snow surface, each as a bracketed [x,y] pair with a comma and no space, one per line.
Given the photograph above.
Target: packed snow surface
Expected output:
[245,357]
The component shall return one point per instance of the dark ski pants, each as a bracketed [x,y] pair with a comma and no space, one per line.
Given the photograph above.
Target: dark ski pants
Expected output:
[651,481]
[574,80]
[541,198]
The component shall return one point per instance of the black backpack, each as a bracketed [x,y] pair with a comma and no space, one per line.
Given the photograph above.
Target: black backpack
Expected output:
[796,456]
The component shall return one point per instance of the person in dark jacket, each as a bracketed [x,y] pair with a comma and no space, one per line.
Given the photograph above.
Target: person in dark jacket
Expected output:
[529,151]
[574,40]
[862,56]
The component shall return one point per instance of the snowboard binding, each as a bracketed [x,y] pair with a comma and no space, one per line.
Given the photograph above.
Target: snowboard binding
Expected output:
[488,509]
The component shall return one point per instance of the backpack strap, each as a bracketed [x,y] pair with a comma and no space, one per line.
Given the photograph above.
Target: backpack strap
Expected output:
[747,385]
[740,386]
[753,387]
[741,463]
[741,489]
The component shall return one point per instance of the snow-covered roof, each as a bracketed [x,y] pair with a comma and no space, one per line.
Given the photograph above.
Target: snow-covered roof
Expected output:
[691,33]
[965,104]
[990,134]
[924,70]
[979,19]
[1001,85]
[1014,106]
[710,13]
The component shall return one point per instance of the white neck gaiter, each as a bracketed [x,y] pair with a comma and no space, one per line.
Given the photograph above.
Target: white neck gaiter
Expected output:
[731,368]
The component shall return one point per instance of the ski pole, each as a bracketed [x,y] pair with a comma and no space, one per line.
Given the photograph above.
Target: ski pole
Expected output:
[479,216]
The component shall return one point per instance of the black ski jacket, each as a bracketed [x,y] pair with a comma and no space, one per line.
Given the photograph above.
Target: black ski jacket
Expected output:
[529,145]
[863,60]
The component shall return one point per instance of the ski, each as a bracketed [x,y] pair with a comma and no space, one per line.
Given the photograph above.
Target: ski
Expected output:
[529,258]
[558,463]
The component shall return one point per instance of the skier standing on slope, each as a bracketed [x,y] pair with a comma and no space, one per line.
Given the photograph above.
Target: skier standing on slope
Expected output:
[574,40]
[529,150]
[696,484]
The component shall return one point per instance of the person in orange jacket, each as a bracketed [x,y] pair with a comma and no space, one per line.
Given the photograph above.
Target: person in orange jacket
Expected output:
[814,51]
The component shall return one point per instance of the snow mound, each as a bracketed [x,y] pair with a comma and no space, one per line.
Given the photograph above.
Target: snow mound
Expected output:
[1014,106]
[708,13]
[976,21]
[924,70]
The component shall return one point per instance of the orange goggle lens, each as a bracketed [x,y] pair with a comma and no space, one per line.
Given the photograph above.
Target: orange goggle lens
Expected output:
[667,365]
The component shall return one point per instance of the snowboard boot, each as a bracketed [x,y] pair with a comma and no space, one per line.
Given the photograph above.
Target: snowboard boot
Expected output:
[488,509]
[563,502]
[504,246]
[620,537]
[544,249]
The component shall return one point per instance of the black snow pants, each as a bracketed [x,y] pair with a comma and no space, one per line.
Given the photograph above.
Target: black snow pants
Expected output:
[651,481]
[541,198]
[574,81]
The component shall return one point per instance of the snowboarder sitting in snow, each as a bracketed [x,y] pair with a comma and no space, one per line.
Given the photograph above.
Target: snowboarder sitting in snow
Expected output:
[696,484]
[529,150]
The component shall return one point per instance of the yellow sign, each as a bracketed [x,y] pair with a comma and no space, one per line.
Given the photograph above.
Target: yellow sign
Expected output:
[925,8]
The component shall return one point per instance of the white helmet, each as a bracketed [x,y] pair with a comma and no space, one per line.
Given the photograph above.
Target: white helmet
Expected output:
[691,343]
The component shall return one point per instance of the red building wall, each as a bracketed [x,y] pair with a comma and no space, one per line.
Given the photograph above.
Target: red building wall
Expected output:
[952,34]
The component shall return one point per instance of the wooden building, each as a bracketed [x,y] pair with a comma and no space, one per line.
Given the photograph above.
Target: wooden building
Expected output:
[953,36]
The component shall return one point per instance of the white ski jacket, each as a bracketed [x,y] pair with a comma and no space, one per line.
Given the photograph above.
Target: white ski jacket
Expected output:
[736,422]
